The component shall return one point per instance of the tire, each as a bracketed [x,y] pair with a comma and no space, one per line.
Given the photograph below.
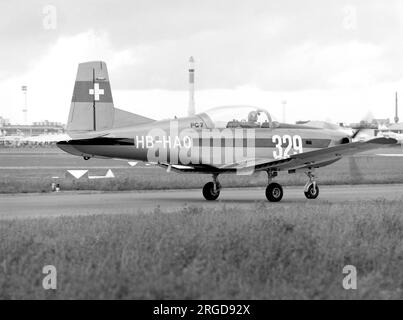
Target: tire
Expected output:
[312,192]
[274,192]
[209,193]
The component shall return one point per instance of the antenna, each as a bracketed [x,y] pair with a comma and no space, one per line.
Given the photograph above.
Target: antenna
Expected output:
[191,108]
[24,90]
[396,109]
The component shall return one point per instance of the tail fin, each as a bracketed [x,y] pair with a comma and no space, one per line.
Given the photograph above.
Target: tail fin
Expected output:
[92,104]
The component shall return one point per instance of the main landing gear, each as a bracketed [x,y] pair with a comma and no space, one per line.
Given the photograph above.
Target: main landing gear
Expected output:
[274,191]
[211,190]
[311,189]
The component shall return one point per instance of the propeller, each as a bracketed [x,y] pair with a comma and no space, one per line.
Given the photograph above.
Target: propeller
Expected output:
[363,125]
[355,173]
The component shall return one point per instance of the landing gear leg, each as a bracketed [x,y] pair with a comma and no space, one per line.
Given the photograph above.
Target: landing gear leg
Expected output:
[274,191]
[211,190]
[311,189]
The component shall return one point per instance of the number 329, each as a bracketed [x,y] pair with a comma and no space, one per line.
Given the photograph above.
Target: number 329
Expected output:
[293,143]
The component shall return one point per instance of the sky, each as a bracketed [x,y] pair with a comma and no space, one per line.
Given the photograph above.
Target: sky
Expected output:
[328,60]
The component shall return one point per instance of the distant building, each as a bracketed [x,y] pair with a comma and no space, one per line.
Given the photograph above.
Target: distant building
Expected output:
[364,125]
[396,127]
[47,123]
[4,122]
[381,122]
[36,129]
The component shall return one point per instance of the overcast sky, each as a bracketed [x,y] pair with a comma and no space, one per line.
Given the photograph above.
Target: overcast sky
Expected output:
[330,60]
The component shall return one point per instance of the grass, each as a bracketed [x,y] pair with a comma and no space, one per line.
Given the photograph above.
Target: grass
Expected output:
[293,251]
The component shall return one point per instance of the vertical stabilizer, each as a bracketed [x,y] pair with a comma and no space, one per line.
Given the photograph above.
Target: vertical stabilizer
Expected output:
[92,104]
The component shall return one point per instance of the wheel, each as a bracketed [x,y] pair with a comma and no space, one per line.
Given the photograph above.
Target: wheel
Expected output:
[274,192]
[209,192]
[312,192]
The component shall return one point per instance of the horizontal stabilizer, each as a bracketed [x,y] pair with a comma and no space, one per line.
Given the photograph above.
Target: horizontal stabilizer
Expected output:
[126,119]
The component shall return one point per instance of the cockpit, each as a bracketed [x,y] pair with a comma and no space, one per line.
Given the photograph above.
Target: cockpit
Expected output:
[238,117]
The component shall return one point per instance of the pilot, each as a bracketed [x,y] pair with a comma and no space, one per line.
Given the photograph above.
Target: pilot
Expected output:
[252,117]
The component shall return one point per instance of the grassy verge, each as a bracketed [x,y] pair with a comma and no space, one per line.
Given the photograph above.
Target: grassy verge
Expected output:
[268,252]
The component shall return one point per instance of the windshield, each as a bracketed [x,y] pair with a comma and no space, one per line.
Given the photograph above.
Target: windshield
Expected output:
[237,117]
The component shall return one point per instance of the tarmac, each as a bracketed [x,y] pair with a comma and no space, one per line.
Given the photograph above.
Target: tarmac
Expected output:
[72,203]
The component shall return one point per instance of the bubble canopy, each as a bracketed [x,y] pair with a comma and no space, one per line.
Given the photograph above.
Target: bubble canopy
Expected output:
[237,117]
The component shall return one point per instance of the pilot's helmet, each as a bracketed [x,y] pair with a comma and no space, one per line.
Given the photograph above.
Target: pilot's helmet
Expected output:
[252,117]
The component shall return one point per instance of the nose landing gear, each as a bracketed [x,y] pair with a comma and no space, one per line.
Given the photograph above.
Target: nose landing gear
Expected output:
[311,189]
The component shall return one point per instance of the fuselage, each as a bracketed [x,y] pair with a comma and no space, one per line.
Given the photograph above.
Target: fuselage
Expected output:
[198,141]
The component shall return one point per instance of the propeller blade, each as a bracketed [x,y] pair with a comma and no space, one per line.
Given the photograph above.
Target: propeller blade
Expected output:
[356,133]
[363,124]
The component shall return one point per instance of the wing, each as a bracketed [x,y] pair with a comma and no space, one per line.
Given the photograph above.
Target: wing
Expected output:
[316,158]
[312,159]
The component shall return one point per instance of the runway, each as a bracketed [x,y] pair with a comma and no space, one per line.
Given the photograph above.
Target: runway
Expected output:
[89,203]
